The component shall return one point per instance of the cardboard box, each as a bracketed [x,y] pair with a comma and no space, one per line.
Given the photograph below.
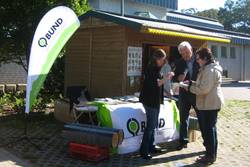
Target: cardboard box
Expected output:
[62,111]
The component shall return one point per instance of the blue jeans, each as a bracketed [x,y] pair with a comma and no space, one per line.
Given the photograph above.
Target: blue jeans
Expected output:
[148,136]
[207,121]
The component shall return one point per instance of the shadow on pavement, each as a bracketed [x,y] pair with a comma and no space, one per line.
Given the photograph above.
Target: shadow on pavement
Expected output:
[55,150]
[8,159]
[167,159]
[236,85]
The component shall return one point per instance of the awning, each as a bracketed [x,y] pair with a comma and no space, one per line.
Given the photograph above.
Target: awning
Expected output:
[186,35]
[158,27]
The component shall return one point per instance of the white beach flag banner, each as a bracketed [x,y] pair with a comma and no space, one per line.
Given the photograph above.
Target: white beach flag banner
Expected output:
[53,31]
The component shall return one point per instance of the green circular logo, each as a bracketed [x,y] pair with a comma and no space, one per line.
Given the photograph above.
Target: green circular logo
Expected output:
[42,42]
[133,126]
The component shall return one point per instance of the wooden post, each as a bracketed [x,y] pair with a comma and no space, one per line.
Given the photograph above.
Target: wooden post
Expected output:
[90,57]
[2,88]
[192,135]
[10,87]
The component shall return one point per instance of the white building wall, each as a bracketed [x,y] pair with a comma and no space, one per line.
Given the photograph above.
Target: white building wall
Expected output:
[130,8]
[247,63]
[231,65]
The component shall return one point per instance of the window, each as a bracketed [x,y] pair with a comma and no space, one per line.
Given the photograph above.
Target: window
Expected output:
[232,53]
[224,52]
[214,50]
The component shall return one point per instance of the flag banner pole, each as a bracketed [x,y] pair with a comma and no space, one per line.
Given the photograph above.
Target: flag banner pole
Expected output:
[52,33]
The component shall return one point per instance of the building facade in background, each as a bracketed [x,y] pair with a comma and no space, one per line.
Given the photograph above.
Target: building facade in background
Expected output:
[234,57]
[149,8]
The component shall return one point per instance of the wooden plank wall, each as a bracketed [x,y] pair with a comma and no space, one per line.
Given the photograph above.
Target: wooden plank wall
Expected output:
[107,62]
[95,58]
[77,59]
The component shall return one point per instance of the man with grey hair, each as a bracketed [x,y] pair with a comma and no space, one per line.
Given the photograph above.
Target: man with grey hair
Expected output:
[186,69]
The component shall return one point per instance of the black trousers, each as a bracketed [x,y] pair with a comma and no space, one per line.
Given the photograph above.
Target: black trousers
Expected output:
[186,101]
[207,121]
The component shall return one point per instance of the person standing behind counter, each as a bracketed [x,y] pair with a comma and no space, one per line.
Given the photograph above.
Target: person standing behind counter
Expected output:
[151,96]
[186,69]
[209,100]
[167,71]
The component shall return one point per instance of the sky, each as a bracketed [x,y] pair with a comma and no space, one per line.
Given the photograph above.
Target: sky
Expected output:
[200,4]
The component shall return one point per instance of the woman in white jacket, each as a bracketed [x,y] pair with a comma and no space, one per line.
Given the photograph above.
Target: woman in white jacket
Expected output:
[209,100]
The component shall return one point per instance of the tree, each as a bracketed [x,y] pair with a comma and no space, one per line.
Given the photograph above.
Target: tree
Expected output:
[210,13]
[18,23]
[242,16]
[226,15]
[190,11]
[236,15]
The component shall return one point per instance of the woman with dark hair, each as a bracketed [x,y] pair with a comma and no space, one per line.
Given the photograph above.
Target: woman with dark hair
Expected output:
[151,97]
[209,100]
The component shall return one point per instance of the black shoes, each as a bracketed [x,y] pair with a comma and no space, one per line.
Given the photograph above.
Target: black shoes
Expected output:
[181,146]
[205,160]
[146,156]
[155,150]
[158,149]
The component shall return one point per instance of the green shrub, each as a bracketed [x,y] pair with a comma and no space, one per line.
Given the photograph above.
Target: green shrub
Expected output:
[15,101]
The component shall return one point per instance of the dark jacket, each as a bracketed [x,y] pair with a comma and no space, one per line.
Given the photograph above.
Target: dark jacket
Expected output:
[151,94]
[181,66]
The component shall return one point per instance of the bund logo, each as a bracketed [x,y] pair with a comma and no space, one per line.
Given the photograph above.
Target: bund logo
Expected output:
[43,41]
[133,126]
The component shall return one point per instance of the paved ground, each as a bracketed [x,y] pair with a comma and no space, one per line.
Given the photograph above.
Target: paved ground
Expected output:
[233,132]
[8,159]
[239,91]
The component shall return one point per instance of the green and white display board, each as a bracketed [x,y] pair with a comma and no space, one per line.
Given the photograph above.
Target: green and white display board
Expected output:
[131,117]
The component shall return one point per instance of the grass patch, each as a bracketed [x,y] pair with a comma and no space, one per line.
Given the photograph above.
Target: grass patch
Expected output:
[236,109]
[238,103]
[247,114]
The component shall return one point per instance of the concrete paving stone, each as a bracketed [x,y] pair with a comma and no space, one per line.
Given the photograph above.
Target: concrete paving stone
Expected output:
[233,149]
[7,159]
[239,91]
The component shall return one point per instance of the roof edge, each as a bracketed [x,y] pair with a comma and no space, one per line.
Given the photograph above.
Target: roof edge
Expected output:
[125,21]
[118,19]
